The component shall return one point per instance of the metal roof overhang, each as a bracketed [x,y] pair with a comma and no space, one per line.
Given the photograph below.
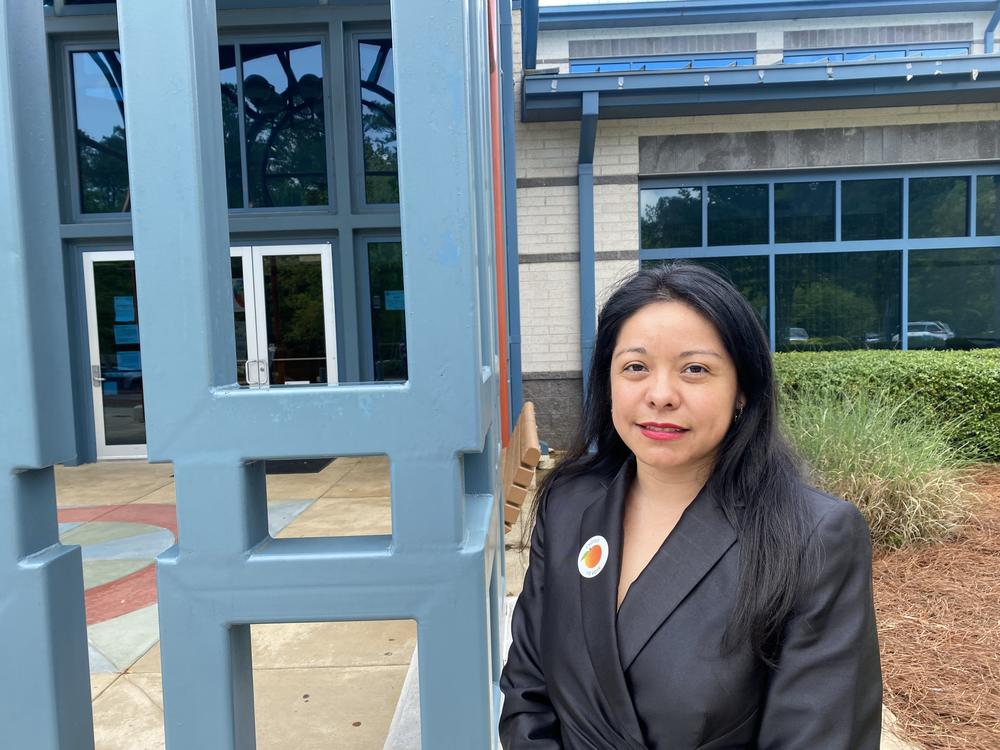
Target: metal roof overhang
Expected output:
[672,12]
[772,88]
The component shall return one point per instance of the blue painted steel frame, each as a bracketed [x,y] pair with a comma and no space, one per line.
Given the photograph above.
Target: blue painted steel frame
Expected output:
[990,29]
[677,12]
[443,563]
[529,34]
[510,208]
[588,295]
[44,685]
[773,249]
[765,88]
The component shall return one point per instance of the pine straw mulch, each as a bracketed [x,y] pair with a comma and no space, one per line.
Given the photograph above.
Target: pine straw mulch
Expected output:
[938,611]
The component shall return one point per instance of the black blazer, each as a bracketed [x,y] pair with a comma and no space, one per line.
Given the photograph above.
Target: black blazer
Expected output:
[656,675]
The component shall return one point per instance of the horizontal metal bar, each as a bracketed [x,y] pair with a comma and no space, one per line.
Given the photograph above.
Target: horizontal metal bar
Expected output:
[781,89]
[675,12]
[762,76]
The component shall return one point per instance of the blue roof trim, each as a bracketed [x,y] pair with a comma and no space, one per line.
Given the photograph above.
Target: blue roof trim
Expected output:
[616,15]
[772,88]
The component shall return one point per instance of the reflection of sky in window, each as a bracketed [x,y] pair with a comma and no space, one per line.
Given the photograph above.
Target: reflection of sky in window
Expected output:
[97,110]
[369,54]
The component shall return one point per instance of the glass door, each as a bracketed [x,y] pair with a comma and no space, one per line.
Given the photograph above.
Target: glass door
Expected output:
[293,308]
[386,319]
[115,360]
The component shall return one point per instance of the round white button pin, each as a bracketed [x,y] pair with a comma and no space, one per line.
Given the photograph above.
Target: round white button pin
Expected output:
[593,556]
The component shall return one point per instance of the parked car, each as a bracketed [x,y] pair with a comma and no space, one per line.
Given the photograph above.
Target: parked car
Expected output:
[797,334]
[925,334]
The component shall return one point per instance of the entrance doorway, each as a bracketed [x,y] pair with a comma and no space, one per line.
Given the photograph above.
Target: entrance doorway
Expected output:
[283,311]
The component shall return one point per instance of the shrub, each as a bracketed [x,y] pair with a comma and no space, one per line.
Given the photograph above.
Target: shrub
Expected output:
[958,390]
[902,473]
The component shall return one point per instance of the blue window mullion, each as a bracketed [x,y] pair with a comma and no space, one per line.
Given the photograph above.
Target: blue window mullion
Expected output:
[238,56]
[973,180]
[772,297]
[770,213]
[837,218]
[904,301]
[704,215]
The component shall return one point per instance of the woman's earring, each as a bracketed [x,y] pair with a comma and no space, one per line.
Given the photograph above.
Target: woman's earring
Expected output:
[739,413]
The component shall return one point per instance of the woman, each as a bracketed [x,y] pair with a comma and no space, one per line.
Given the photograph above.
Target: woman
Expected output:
[685,588]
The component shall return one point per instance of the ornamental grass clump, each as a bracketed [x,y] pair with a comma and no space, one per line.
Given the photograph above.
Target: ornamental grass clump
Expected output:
[903,473]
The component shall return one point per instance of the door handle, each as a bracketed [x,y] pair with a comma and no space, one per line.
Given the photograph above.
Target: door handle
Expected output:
[95,375]
[246,372]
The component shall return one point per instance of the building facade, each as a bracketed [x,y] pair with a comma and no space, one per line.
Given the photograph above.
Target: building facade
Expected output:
[839,161]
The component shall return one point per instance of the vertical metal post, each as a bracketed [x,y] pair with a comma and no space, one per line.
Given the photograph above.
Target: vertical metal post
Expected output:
[44,684]
[589,106]
[510,208]
[440,429]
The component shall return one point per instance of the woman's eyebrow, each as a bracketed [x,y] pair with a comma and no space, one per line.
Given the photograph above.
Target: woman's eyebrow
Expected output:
[692,352]
[630,350]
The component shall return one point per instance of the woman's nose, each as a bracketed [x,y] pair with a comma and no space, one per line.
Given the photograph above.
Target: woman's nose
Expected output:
[662,391]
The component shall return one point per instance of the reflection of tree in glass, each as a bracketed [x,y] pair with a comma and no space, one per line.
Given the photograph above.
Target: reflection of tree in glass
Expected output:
[737,215]
[378,122]
[294,303]
[285,131]
[842,300]
[385,268]
[231,127]
[828,309]
[939,207]
[960,288]
[671,218]
[103,163]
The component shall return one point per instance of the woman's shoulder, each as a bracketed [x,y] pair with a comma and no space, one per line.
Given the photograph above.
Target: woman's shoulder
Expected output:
[573,488]
[831,518]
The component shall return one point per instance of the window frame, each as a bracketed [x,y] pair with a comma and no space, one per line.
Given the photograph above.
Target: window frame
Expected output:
[631,60]
[289,36]
[353,36]
[74,193]
[872,49]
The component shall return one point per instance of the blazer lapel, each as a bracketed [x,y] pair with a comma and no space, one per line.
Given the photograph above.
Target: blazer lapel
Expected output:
[598,600]
[700,538]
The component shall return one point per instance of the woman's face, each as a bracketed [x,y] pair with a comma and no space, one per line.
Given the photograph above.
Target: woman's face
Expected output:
[673,389]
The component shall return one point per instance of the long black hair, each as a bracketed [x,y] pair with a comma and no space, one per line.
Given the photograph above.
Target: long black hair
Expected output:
[755,477]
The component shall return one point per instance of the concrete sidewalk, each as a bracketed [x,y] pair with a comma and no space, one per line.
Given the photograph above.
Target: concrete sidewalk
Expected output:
[316,685]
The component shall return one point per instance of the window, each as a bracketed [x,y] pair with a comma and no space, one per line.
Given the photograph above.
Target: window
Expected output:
[954,298]
[939,207]
[284,123]
[871,209]
[737,215]
[388,319]
[378,121]
[100,131]
[671,217]
[825,291]
[830,301]
[612,65]
[273,119]
[748,273]
[804,211]
[231,125]
[987,205]
[874,53]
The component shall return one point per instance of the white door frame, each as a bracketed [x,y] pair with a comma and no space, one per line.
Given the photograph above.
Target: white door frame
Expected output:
[325,252]
[251,369]
[104,451]
[253,285]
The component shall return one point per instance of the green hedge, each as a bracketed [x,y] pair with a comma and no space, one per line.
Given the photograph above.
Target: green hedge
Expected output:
[939,386]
